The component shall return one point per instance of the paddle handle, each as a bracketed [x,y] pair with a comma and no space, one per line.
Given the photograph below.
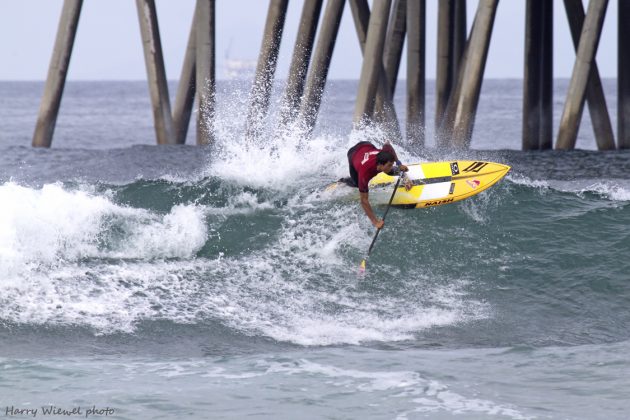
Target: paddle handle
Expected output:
[384,215]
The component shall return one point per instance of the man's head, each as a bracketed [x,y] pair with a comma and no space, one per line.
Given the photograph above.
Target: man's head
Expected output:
[384,161]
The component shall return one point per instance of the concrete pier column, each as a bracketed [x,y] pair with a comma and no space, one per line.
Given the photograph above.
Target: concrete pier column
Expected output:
[452,41]
[205,77]
[392,55]
[57,72]
[444,79]
[372,61]
[460,35]
[266,67]
[546,96]
[185,96]
[595,98]
[623,75]
[532,76]
[574,105]
[538,75]
[316,80]
[156,74]
[462,108]
[361,16]
[299,63]
[416,45]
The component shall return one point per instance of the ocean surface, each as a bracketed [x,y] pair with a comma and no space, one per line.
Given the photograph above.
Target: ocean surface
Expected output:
[164,282]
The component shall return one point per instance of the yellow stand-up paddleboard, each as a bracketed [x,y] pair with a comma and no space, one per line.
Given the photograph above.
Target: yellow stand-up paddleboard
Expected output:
[438,183]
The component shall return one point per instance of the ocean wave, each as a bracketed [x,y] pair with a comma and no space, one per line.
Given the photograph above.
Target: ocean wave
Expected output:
[610,189]
[427,395]
[109,267]
[281,264]
[44,226]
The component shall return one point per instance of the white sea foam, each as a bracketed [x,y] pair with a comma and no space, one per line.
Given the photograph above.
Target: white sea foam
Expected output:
[614,190]
[295,292]
[105,297]
[521,179]
[611,189]
[377,384]
[240,203]
[287,158]
[57,271]
[177,234]
[428,396]
[440,398]
[41,227]
[285,161]
[39,224]
[47,233]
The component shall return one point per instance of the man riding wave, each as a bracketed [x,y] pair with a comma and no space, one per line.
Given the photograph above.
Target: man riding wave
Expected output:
[365,162]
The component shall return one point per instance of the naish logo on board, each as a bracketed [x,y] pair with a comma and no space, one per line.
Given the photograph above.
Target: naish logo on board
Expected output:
[438,202]
[475,167]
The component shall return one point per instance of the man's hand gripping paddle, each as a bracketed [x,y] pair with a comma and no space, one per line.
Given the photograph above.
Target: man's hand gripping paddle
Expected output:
[362,267]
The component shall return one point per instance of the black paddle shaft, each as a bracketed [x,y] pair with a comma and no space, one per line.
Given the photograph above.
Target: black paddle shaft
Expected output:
[384,214]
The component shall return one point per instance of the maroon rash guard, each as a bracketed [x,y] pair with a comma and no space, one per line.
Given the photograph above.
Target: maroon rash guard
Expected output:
[363,160]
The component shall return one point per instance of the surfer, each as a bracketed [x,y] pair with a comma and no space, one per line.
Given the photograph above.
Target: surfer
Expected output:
[366,161]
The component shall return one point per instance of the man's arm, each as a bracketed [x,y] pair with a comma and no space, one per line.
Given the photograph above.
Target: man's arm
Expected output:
[400,167]
[367,208]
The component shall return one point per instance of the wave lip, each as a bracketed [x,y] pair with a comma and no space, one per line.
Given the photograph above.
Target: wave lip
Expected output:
[52,224]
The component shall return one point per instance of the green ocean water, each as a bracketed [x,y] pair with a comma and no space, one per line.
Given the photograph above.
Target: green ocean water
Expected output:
[170,282]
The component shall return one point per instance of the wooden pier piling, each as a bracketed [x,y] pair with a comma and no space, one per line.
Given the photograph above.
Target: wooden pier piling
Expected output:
[602,127]
[460,36]
[623,75]
[574,105]
[57,72]
[460,113]
[461,59]
[266,67]
[298,68]
[372,61]
[185,97]
[205,75]
[444,74]
[156,74]
[416,30]
[532,76]
[318,72]
[361,16]
[392,55]
[546,72]
[538,76]
[452,39]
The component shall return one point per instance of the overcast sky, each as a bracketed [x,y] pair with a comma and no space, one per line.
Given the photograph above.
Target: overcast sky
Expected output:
[108,44]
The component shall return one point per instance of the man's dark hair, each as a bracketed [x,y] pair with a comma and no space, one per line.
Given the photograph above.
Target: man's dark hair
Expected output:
[384,157]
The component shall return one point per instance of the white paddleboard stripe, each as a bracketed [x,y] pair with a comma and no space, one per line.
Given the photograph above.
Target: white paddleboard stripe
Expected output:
[415,172]
[433,191]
